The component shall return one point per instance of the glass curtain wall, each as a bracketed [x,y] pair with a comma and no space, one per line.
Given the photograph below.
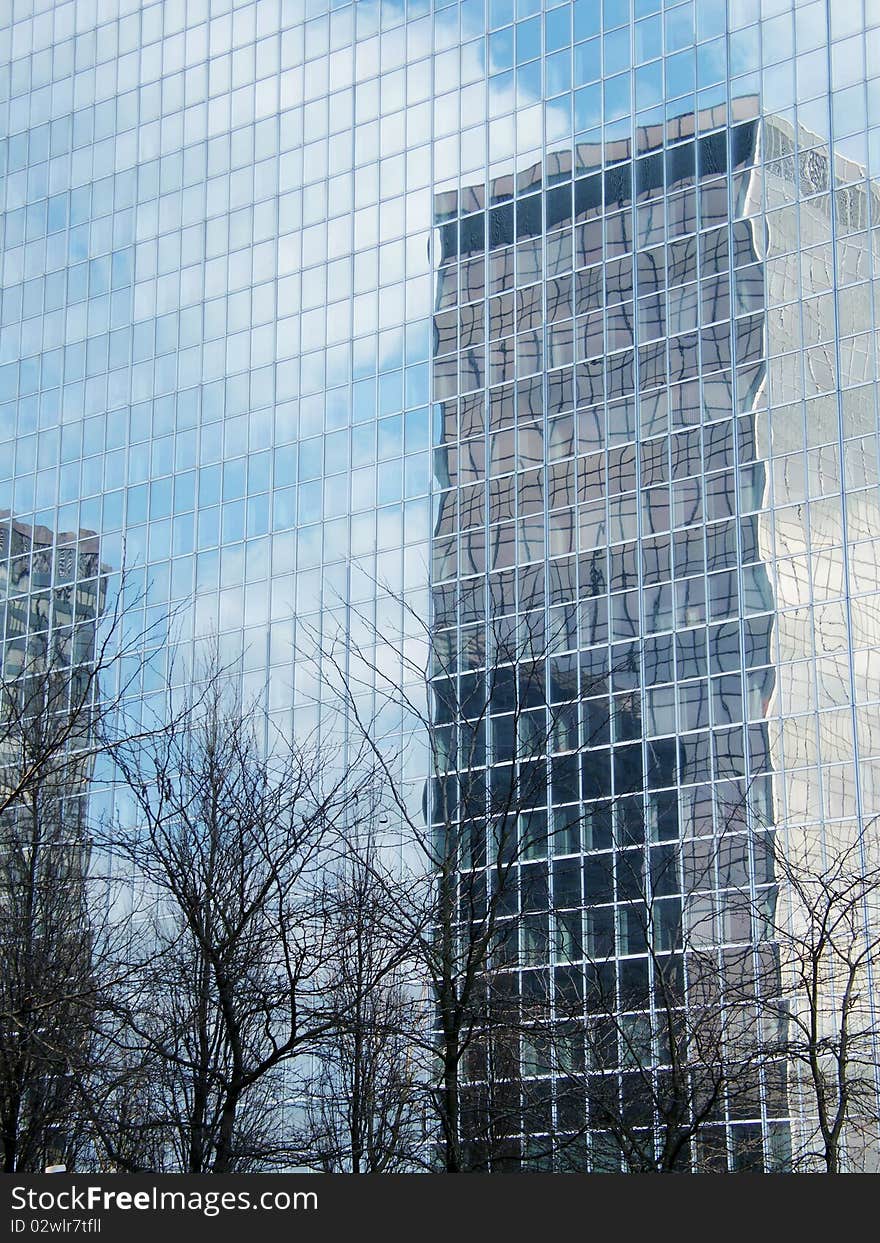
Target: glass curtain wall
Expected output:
[562,310]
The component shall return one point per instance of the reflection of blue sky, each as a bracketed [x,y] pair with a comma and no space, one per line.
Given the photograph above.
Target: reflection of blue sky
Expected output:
[210,364]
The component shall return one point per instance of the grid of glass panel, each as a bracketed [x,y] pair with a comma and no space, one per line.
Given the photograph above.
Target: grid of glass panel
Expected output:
[570,306]
[599,411]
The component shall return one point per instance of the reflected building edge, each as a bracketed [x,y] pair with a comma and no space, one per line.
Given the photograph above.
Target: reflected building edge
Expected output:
[599,360]
[817,432]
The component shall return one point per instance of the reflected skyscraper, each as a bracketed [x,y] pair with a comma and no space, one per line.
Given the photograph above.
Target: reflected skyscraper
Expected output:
[599,352]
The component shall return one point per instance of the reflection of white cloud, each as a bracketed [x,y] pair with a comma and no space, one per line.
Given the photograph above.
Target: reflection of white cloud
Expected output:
[382,83]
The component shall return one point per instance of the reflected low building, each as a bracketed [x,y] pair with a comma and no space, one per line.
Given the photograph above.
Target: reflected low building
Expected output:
[52,595]
[54,589]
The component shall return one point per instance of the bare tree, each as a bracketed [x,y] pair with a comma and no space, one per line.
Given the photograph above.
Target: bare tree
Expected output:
[68,661]
[631,1037]
[365,1102]
[664,1050]
[229,842]
[497,717]
[70,649]
[47,990]
[822,917]
[122,1088]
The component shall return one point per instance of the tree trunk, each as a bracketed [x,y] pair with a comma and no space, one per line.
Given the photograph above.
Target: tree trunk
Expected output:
[223,1154]
[451,1109]
[10,1139]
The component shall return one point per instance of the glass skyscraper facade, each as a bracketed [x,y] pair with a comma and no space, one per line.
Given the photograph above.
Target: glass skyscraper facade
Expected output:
[560,313]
